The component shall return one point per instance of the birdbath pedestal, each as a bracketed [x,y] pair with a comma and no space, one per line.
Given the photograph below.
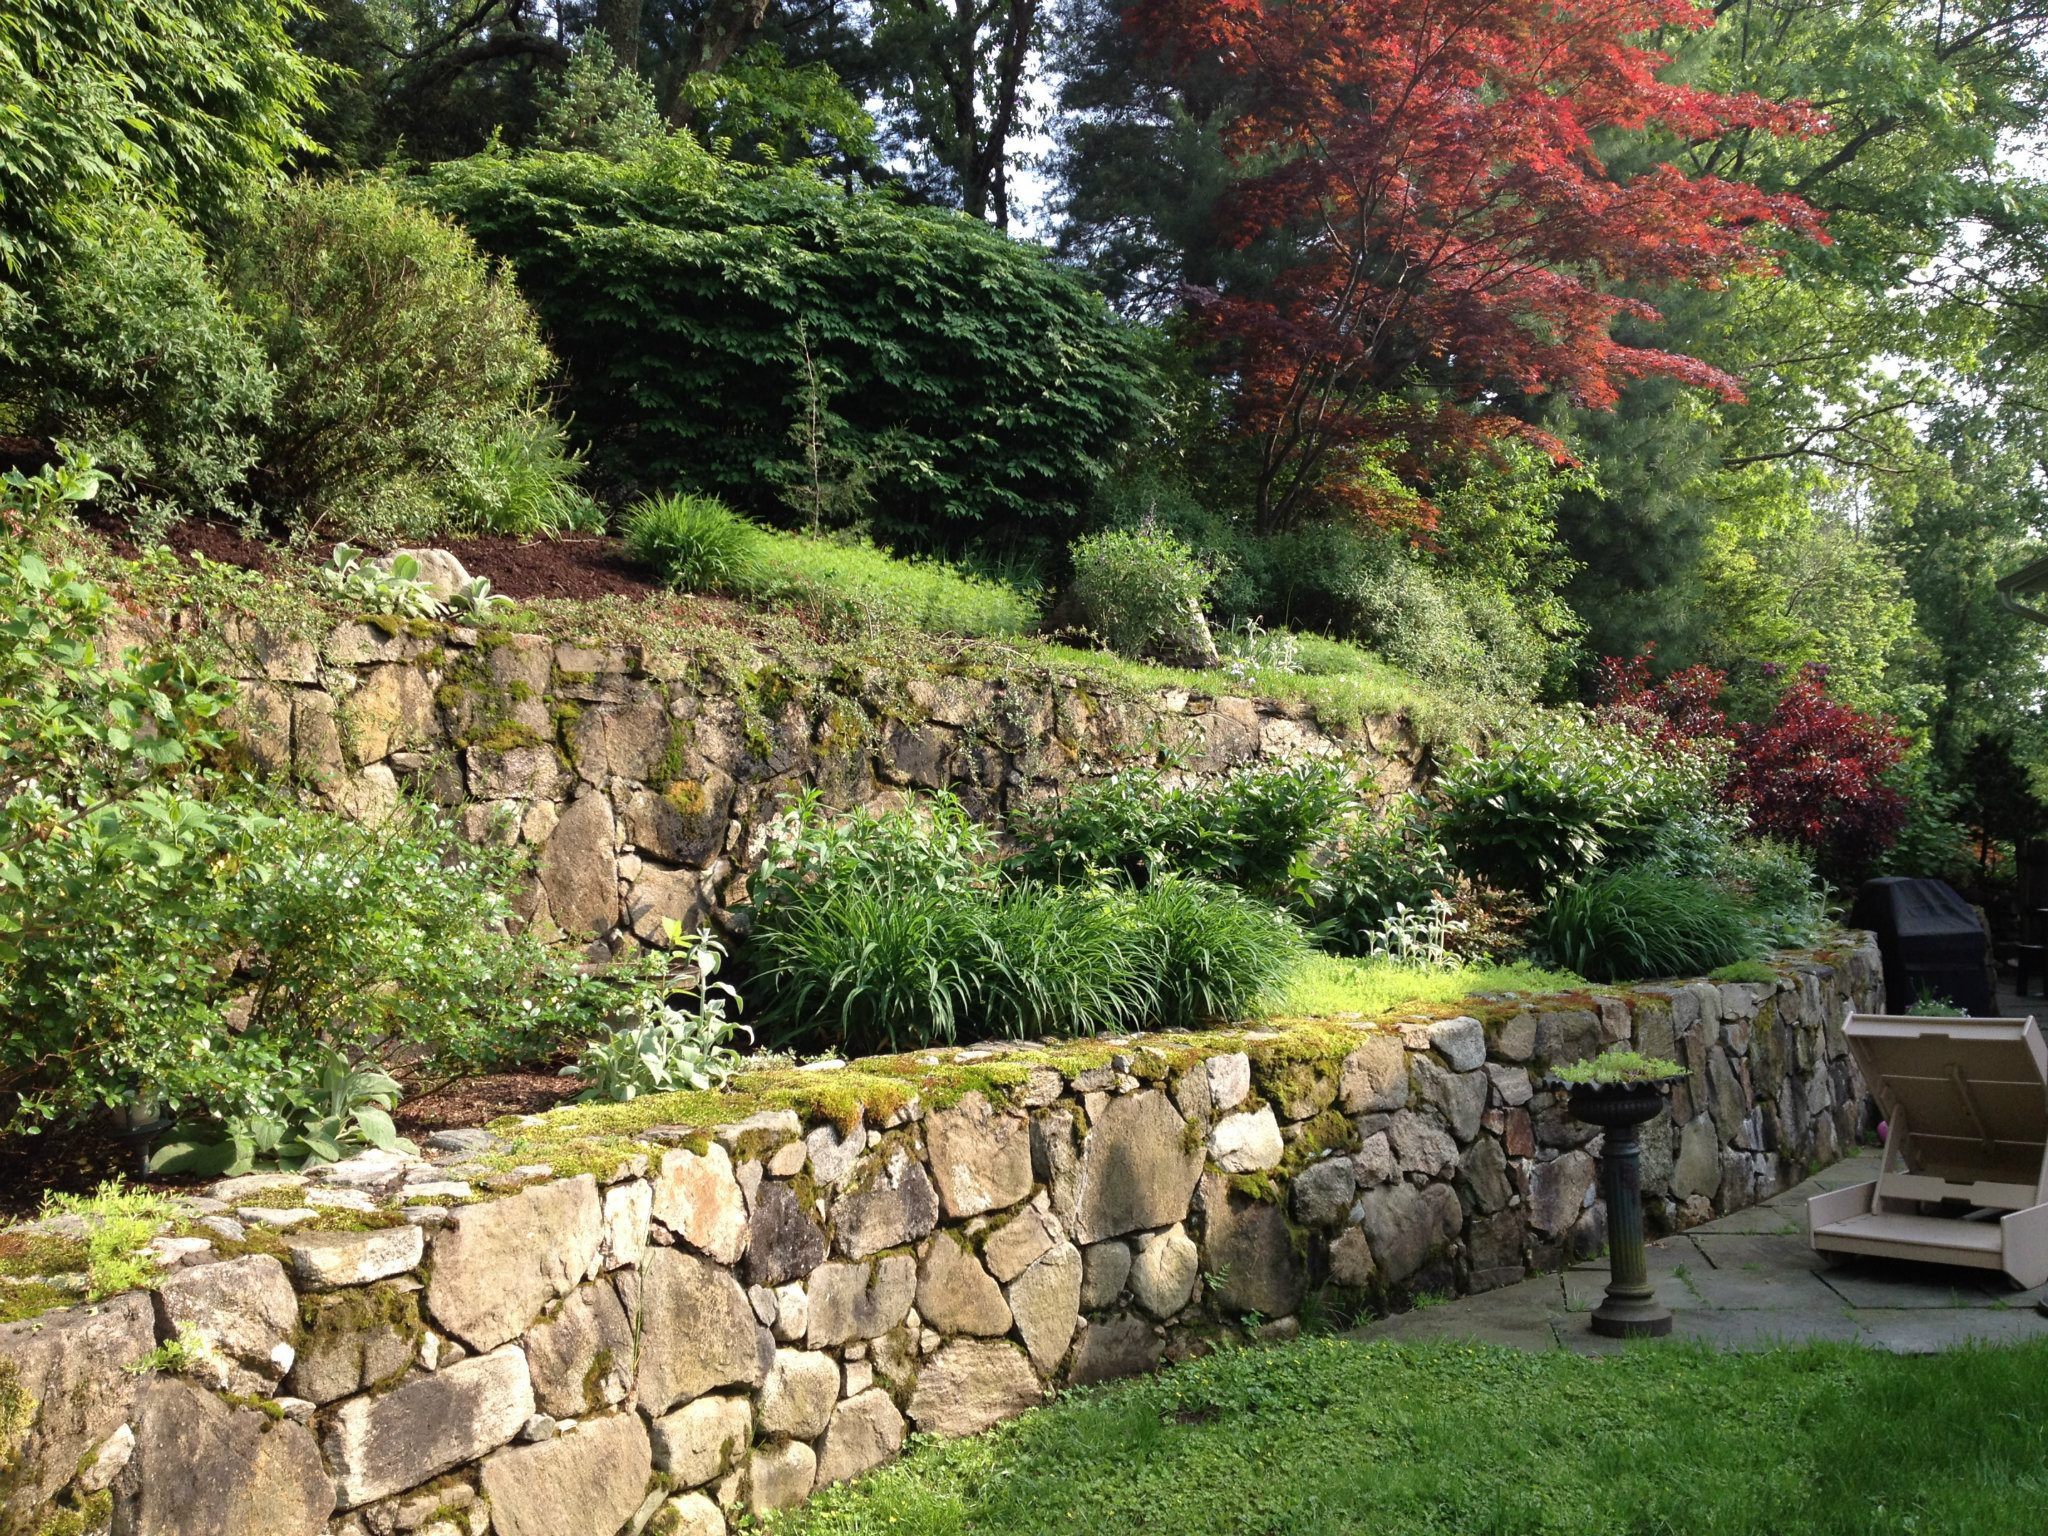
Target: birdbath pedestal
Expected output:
[1631,1310]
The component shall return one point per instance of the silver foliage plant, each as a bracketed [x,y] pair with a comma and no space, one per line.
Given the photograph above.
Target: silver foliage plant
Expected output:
[668,1046]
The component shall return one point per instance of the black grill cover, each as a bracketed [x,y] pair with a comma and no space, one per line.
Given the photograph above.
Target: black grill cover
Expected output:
[1932,943]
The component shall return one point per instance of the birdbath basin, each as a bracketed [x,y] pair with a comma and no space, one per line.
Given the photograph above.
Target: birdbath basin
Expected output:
[1630,1310]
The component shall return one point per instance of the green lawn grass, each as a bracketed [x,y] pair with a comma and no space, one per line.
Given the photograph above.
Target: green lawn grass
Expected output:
[859,582]
[1328,985]
[1328,1437]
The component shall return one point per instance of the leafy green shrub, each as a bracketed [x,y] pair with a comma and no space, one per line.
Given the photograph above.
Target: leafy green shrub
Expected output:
[1372,870]
[853,584]
[1783,894]
[1135,588]
[186,103]
[210,967]
[399,354]
[1252,827]
[664,1047]
[133,356]
[1640,922]
[1449,628]
[1560,795]
[696,543]
[934,845]
[674,285]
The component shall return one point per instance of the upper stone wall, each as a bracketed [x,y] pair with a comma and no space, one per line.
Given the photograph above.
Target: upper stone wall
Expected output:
[635,1318]
[643,782]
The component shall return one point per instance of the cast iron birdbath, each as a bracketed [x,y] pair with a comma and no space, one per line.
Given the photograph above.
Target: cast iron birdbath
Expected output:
[1618,1104]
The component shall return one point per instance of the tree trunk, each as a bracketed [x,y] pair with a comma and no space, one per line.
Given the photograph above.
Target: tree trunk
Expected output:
[618,21]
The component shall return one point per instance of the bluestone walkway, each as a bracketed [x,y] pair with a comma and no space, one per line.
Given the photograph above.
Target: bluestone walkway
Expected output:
[1749,1281]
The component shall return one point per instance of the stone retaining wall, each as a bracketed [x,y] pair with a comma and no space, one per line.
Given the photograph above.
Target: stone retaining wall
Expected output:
[642,780]
[732,1315]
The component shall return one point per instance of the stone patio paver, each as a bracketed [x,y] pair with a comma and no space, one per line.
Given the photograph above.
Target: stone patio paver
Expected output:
[1749,1281]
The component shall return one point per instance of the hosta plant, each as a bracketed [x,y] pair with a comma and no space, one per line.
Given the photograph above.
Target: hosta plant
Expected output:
[330,1108]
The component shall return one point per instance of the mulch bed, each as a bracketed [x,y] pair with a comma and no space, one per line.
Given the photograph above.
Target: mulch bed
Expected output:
[578,566]
[480,1100]
[70,1161]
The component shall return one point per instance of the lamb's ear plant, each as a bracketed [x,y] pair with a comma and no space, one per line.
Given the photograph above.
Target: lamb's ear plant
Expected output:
[475,599]
[669,1045]
[396,590]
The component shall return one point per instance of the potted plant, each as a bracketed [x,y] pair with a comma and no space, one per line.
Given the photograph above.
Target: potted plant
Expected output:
[1618,1090]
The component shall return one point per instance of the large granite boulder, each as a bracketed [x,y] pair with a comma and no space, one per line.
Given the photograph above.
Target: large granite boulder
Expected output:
[581,1359]
[592,1480]
[384,1444]
[68,1379]
[1137,1169]
[866,1431]
[980,1157]
[697,1331]
[496,1264]
[202,1468]
[973,1383]
[859,1301]
[242,1313]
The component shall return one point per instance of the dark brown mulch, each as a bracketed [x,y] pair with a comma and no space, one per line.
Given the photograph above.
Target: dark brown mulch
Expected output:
[579,566]
[221,542]
[71,1161]
[479,1100]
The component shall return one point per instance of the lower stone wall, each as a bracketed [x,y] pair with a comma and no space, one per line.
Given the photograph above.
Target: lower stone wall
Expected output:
[728,1316]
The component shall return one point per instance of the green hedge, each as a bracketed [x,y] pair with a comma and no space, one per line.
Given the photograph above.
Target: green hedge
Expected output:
[990,386]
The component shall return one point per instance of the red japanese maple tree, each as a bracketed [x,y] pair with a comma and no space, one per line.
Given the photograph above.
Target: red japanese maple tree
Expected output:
[1814,773]
[1433,172]
[1681,712]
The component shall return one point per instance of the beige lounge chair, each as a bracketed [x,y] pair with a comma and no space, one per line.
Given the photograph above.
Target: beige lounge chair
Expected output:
[1965,1174]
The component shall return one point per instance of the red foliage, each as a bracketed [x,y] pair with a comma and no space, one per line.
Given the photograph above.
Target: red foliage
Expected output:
[1813,773]
[1682,711]
[1431,170]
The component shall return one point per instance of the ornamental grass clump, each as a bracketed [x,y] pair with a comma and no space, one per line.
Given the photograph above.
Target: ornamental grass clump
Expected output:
[1640,922]
[695,543]
[895,931]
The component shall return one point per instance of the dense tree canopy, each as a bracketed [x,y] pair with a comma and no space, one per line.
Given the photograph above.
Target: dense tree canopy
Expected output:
[989,386]
[181,103]
[1496,337]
